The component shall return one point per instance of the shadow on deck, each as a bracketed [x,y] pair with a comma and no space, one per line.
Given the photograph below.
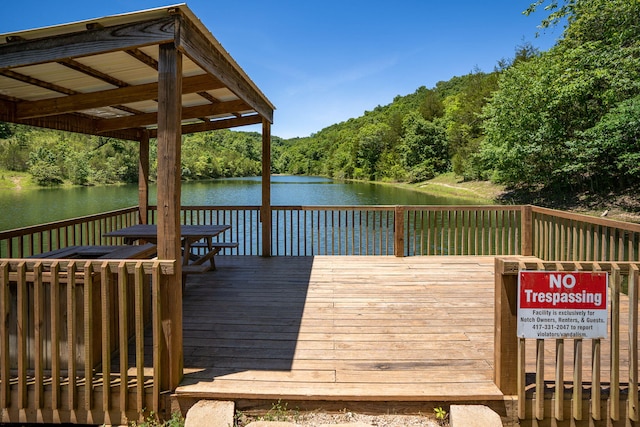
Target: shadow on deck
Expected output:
[341,329]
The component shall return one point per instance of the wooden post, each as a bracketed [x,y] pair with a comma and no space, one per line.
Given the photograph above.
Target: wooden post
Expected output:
[398,231]
[526,230]
[265,210]
[169,138]
[143,179]
[506,326]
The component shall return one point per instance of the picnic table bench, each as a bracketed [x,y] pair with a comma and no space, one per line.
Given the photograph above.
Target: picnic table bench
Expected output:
[198,245]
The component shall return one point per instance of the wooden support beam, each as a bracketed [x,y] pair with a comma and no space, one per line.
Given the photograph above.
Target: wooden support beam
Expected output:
[398,231]
[141,120]
[196,46]
[86,101]
[169,113]
[143,179]
[75,123]
[506,327]
[265,210]
[90,42]
[216,124]
[526,231]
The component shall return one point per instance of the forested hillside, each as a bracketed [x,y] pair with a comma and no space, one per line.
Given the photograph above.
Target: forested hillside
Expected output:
[53,157]
[564,121]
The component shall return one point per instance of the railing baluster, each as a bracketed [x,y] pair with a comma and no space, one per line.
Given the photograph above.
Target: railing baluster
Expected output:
[614,396]
[38,334]
[156,327]
[123,334]
[577,380]
[22,333]
[5,312]
[72,399]
[89,332]
[596,346]
[632,399]
[139,283]
[539,402]
[559,384]
[56,319]
[522,379]
[105,293]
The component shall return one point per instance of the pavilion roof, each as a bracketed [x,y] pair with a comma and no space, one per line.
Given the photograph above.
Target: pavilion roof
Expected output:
[100,76]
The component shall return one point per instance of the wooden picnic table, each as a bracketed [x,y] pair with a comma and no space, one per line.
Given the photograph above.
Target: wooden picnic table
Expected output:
[192,236]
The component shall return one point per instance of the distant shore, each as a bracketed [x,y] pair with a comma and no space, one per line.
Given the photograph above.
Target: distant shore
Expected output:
[618,207]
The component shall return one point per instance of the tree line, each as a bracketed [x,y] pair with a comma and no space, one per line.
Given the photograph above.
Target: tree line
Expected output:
[567,119]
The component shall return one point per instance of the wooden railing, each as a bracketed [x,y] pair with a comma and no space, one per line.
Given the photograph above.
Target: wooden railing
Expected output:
[578,385]
[73,342]
[460,230]
[368,230]
[564,236]
[84,231]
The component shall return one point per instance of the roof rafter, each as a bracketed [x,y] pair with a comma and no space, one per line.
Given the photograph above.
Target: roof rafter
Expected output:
[125,95]
[92,72]
[141,120]
[216,125]
[53,87]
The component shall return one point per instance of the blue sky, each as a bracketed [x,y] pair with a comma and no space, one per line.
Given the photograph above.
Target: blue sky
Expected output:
[323,62]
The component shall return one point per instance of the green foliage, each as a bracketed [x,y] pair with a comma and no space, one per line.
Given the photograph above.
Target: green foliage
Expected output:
[424,148]
[5,130]
[43,167]
[441,414]
[411,139]
[55,157]
[176,420]
[558,115]
[608,154]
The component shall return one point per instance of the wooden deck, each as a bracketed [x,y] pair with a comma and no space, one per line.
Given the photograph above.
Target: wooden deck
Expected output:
[341,329]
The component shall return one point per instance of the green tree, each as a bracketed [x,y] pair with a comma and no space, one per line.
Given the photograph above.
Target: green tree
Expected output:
[537,120]
[44,168]
[5,130]
[371,144]
[424,149]
[607,156]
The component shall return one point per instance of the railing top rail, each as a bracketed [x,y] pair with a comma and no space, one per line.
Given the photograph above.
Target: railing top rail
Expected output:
[167,267]
[214,207]
[587,218]
[515,208]
[334,208]
[16,232]
[364,207]
[511,265]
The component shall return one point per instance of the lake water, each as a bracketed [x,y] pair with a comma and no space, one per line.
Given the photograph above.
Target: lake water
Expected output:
[30,207]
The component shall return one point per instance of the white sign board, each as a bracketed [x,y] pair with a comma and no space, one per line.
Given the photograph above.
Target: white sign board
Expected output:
[554,304]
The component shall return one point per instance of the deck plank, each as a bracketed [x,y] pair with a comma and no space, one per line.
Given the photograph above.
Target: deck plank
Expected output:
[341,328]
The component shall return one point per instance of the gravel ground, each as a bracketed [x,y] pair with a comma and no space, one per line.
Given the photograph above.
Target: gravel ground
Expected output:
[317,419]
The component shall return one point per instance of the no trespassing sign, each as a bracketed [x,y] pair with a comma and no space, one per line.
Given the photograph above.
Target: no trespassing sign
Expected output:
[555,304]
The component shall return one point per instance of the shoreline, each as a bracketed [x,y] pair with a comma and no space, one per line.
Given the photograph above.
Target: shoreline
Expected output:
[445,185]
